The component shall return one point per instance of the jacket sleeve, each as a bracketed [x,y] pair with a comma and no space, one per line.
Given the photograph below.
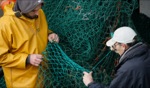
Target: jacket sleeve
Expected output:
[125,79]
[119,81]
[8,59]
[95,85]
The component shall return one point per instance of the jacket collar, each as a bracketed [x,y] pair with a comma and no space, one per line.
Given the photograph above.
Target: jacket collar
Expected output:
[131,53]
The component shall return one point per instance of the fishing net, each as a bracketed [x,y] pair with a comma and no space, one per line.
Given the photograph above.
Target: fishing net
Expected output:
[83,26]
[2,82]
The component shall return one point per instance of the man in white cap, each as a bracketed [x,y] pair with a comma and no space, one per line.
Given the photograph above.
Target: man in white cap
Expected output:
[24,36]
[133,70]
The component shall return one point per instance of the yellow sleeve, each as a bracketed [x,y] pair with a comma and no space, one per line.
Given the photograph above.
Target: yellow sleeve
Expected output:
[7,58]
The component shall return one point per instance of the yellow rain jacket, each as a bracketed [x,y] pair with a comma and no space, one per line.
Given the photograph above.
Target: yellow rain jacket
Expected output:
[19,37]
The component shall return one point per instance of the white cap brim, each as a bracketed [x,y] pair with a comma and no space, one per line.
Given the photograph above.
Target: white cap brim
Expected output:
[110,42]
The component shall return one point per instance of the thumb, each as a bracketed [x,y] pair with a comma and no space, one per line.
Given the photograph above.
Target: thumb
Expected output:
[91,73]
[85,73]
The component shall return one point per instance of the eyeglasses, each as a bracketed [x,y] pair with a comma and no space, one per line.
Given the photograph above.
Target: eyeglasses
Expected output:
[113,47]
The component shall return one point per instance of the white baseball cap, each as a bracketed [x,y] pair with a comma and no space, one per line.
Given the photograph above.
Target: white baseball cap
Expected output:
[122,35]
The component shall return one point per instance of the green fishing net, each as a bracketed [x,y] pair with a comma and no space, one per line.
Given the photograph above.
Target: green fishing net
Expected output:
[2,82]
[83,26]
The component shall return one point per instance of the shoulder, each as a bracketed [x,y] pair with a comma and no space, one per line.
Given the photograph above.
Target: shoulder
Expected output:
[41,12]
[6,22]
[42,16]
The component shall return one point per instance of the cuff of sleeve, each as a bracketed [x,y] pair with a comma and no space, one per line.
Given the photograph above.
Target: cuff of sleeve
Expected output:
[90,84]
[28,60]
[23,61]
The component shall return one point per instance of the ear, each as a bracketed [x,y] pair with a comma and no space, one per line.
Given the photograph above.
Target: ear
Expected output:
[125,46]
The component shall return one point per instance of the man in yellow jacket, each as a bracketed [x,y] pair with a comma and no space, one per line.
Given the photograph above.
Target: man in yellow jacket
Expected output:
[24,35]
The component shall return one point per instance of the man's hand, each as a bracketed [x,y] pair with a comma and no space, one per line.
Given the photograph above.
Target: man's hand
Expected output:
[35,59]
[53,38]
[87,78]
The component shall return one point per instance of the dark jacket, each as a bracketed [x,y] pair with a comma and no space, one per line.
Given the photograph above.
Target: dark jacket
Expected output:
[133,71]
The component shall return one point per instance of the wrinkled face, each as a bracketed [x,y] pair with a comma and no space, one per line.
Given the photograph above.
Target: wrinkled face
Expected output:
[34,13]
[118,48]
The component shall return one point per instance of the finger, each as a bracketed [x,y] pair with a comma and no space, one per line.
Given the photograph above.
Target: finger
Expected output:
[55,37]
[38,60]
[91,73]
[56,40]
[85,73]
[36,64]
[39,56]
[50,38]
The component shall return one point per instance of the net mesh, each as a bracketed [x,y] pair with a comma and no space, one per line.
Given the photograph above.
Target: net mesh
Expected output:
[83,26]
[2,82]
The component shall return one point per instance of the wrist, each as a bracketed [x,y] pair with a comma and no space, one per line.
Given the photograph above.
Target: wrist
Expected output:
[90,84]
[28,59]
